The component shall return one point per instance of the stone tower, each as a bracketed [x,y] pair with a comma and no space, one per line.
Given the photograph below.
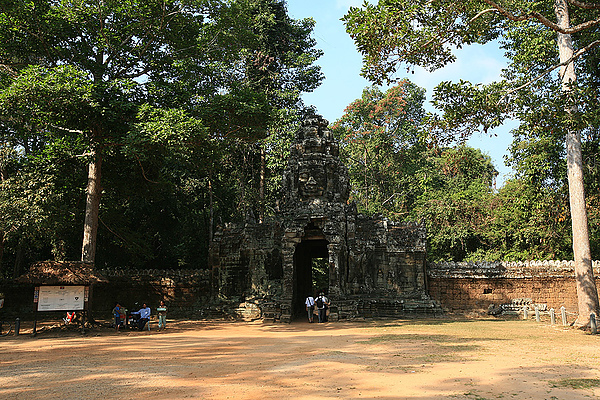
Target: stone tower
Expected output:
[373,267]
[315,177]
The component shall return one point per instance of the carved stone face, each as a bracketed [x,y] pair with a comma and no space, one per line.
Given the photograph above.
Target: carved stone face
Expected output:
[311,132]
[311,182]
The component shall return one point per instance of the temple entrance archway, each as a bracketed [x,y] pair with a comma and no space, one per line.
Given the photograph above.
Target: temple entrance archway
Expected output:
[311,271]
[317,240]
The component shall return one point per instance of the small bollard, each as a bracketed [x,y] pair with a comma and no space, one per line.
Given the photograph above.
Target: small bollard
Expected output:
[525,309]
[552,317]
[593,326]
[563,314]
[17,326]
[537,314]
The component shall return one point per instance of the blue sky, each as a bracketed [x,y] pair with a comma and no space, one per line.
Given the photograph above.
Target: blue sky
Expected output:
[341,66]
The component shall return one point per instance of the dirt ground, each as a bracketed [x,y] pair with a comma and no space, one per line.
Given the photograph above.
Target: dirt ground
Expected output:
[391,359]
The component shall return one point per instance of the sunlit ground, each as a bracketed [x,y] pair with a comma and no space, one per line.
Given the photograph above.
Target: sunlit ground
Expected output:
[392,359]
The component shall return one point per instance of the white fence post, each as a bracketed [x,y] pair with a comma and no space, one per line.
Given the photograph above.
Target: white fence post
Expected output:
[552,317]
[563,314]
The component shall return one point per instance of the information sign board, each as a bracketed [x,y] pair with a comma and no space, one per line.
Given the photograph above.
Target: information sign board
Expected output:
[61,298]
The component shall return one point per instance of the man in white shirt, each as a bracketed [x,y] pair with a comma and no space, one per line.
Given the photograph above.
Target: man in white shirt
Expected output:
[310,308]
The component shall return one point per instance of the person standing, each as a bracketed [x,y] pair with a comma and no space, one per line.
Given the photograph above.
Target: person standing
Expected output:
[162,315]
[118,314]
[322,303]
[310,307]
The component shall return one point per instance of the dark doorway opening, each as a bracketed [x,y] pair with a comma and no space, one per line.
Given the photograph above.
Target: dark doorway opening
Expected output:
[311,272]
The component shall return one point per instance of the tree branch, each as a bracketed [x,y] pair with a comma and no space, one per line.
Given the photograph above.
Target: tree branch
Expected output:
[10,71]
[66,129]
[479,14]
[552,68]
[585,6]
[113,232]
[88,154]
[545,21]
[144,172]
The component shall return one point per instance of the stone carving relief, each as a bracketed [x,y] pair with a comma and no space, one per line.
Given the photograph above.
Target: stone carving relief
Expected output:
[315,176]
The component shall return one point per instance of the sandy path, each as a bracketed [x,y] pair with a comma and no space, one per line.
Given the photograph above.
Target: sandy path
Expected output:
[400,359]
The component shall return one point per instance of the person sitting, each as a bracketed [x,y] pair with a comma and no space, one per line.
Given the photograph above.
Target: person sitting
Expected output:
[69,318]
[144,314]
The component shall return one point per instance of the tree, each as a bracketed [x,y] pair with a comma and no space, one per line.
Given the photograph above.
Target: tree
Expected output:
[110,47]
[163,100]
[425,32]
[394,172]
[380,142]
[454,199]
[276,55]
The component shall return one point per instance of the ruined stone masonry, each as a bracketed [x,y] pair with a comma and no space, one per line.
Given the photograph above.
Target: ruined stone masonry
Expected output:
[374,267]
[368,267]
[505,287]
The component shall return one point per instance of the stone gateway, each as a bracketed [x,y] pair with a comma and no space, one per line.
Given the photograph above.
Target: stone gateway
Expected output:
[368,267]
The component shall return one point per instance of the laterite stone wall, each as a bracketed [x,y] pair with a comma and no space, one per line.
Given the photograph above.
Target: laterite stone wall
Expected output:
[468,287]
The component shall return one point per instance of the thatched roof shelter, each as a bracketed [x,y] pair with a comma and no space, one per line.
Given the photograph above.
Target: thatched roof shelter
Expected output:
[62,273]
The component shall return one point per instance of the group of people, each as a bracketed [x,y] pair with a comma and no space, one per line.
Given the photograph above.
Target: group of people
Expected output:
[321,303]
[142,316]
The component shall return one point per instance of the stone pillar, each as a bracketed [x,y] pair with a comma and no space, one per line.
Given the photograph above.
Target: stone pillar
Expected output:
[334,270]
[290,240]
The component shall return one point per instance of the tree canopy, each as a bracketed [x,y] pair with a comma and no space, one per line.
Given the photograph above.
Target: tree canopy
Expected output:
[162,104]
[539,38]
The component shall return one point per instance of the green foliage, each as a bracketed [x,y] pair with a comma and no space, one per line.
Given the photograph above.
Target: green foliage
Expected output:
[394,172]
[453,201]
[530,222]
[528,217]
[320,273]
[181,101]
[380,139]
[417,32]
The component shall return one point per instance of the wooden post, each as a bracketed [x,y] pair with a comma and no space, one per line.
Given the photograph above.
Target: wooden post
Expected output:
[36,298]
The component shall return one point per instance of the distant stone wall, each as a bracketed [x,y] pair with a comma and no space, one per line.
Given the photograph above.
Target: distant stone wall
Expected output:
[475,286]
[458,287]
[188,293]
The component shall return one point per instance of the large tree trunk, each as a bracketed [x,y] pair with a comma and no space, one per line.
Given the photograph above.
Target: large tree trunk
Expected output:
[211,203]
[17,267]
[587,293]
[262,183]
[3,177]
[92,207]
[1,252]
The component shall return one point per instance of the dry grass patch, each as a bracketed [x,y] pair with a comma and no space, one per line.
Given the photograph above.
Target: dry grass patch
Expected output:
[576,383]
